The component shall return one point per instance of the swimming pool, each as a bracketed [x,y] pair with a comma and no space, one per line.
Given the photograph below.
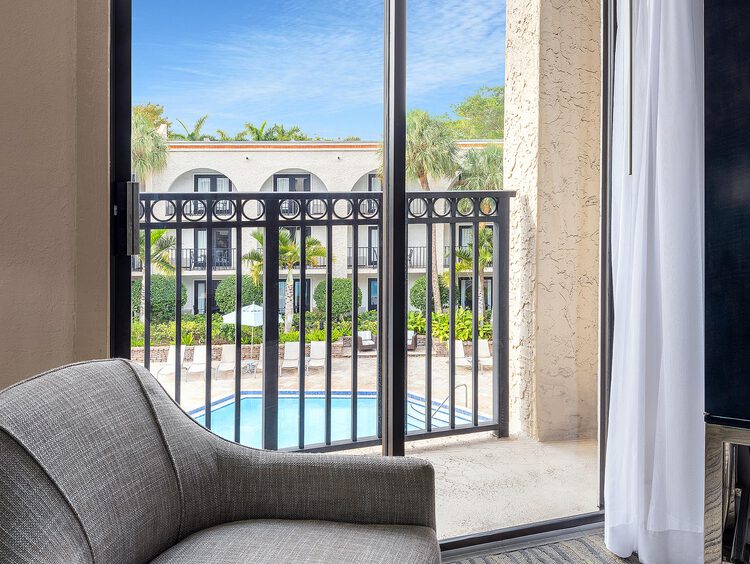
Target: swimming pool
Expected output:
[222,417]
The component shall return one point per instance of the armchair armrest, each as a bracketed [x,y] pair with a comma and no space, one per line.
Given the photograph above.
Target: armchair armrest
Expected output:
[351,489]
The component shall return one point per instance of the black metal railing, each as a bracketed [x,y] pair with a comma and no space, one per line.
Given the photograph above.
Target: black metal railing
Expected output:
[240,213]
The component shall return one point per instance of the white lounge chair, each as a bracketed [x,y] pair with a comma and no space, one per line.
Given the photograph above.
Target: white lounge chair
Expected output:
[199,361]
[485,357]
[168,369]
[256,365]
[226,364]
[291,355]
[461,360]
[317,354]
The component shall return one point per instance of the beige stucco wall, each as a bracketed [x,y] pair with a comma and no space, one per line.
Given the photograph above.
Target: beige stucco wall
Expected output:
[552,161]
[53,222]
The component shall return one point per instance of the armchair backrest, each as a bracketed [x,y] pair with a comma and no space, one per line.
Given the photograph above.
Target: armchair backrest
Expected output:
[81,446]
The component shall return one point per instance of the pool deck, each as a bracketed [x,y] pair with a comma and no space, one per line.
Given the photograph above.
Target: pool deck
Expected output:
[482,482]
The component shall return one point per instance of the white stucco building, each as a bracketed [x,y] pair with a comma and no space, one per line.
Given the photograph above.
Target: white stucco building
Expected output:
[316,166]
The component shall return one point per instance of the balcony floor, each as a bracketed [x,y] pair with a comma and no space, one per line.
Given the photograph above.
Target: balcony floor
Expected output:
[483,482]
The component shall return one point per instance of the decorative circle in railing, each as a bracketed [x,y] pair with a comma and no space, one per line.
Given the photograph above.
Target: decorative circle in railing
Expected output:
[163,211]
[253,209]
[224,210]
[441,207]
[418,207]
[194,209]
[369,208]
[342,209]
[488,206]
[141,211]
[289,209]
[465,206]
[316,209]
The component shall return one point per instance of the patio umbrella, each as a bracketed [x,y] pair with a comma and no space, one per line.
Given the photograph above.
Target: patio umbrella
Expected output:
[250,315]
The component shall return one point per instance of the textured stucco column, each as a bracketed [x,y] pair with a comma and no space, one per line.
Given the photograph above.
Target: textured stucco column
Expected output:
[552,161]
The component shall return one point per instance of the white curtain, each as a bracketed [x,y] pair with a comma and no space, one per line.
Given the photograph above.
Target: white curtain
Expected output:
[654,472]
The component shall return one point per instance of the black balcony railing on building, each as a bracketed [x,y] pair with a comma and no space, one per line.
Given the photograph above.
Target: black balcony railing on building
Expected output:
[269,212]
[367,257]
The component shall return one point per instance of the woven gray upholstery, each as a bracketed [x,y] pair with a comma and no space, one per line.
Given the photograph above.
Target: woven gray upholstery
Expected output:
[267,541]
[105,467]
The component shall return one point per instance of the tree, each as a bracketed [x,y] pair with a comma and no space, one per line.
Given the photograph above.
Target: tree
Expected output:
[430,151]
[418,293]
[224,136]
[163,289]
[465,262]
[341,297]
[162,243]
[195,134]
[154,113]
[482,169]
[481,115]
[289,257]
[148,149]
[226,298]
[277,132]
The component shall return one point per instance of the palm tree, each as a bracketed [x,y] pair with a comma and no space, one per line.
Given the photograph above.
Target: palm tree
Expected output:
[482,169]
[224,136]
[465,262]
[148,149]
[257,133]
[196,134]
[289,257]
[431,151]
[162,243]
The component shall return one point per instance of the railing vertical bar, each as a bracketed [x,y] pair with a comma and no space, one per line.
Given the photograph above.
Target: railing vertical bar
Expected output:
[475,318]
[146,288]
[500,303]
[329,323]
[355,316]
[428,336]
[271,327]
[302,320]
[238,334]
[208,307]
[452,321]
[178,305]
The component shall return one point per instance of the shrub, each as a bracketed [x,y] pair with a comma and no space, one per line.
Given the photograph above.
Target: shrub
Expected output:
[226,293]
[162,298]
[417,322]
[441,325]
[341,297]
[419,289]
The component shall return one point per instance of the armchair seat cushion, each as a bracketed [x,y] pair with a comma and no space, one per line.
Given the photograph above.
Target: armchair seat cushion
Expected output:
[278,540]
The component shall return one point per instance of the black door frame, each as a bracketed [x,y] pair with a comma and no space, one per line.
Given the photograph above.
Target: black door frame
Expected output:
[393,289]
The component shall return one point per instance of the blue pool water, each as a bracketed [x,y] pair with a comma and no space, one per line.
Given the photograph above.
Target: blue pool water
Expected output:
[222,417]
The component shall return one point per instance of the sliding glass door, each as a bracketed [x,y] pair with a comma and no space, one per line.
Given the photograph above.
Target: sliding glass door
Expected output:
[379,262]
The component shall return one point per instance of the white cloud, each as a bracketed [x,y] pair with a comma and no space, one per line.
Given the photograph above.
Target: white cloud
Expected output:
[322,58]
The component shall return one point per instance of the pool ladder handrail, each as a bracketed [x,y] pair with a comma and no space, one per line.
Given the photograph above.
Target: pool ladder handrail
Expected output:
[466,398]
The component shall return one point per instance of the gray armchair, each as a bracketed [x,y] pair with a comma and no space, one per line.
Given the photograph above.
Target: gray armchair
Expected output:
[100,465]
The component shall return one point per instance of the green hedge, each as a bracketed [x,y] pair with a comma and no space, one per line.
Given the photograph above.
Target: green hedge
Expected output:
[226,293]
[419,289]
[163,289]
[341,297]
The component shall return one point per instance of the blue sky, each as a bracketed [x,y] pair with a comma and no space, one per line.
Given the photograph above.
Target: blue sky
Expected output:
[314,63]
